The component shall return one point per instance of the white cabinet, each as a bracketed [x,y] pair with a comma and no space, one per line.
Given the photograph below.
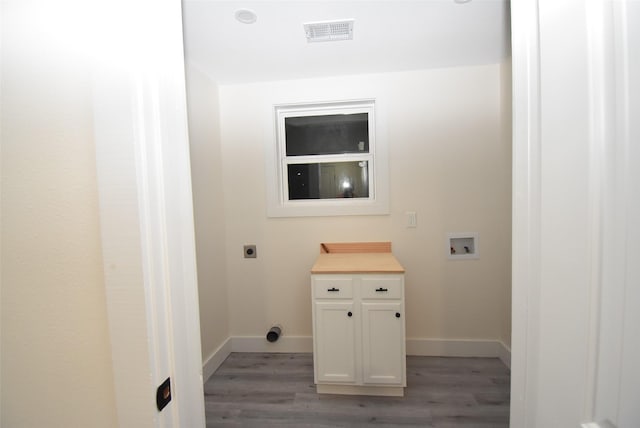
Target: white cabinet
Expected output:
[359,333]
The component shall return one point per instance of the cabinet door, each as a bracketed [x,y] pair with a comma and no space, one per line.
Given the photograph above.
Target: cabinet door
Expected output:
[383,348]
[334,342]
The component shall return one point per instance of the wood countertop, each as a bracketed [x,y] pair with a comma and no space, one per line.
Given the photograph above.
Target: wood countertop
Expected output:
[356,263]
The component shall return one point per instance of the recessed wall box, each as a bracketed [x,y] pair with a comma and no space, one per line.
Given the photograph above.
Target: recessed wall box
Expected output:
[463,245]
[250,251]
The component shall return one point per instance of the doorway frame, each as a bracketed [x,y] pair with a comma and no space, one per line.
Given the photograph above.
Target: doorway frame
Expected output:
[146,212]
[132,136]
[526,227]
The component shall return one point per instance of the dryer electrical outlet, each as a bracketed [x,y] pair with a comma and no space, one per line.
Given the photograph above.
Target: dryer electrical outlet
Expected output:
[250,251]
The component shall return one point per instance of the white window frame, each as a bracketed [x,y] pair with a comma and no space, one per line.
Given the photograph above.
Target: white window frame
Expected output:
[279,205]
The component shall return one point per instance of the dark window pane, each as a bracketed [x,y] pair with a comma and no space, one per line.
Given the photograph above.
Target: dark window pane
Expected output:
[327,135]
[329,180]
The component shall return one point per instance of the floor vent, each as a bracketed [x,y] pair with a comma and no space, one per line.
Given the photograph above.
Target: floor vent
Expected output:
[329,31]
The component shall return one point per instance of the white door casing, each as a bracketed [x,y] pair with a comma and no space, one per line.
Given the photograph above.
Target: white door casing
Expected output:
[576,193]
[525,46]
[146,211]
[615,345]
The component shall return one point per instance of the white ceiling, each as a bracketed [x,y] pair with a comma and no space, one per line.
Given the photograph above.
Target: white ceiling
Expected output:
[389,35]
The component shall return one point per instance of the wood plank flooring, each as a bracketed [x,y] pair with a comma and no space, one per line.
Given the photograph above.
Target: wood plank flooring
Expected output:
[277,390]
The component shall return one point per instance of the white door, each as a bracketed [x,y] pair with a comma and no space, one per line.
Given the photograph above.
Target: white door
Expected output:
[335,342]
[383,343]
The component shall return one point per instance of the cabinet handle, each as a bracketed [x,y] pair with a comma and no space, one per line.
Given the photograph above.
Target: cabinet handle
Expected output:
[349,314]
[332,289]
[382,289]
[397,314]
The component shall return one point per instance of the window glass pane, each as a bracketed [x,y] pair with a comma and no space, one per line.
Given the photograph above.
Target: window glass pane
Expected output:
[327,134]
[329,180]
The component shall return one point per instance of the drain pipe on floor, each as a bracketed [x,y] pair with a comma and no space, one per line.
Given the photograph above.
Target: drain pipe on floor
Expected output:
[274,333]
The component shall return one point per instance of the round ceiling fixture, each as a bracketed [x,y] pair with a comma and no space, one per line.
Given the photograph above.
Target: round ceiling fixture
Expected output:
[246,16]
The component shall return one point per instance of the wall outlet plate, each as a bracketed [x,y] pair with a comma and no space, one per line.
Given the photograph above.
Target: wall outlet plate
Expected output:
[250,251]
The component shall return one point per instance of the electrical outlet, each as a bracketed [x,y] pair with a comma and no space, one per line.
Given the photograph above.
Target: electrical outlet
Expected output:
[250,251]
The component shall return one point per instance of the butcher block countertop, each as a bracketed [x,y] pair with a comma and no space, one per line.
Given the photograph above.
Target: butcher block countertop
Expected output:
[356,262]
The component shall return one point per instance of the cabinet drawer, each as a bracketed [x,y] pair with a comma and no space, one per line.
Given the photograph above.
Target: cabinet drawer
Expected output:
[382,288]
[333,288]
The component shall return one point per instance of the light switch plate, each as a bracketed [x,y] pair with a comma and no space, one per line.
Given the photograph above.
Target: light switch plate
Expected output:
[412,220]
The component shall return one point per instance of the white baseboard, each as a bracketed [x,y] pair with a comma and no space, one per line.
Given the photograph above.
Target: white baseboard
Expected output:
[604,424]
[459,348]
[260,344]
[216,358]
[505,354]
[419,347]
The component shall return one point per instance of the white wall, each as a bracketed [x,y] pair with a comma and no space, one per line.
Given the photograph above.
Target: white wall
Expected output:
[208,201]
[56,357]
[449,162]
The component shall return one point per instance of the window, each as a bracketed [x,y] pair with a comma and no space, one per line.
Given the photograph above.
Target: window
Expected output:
[326,161]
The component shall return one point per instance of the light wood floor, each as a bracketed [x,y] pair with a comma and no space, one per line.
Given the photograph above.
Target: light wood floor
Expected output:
[277,390]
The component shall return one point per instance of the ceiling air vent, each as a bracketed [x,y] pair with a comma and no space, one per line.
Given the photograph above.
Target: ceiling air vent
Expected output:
[328,31]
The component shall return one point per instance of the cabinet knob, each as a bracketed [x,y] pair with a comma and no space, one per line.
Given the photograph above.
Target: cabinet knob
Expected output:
[397,314]
[382,290]
[333,289]
[349,314]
